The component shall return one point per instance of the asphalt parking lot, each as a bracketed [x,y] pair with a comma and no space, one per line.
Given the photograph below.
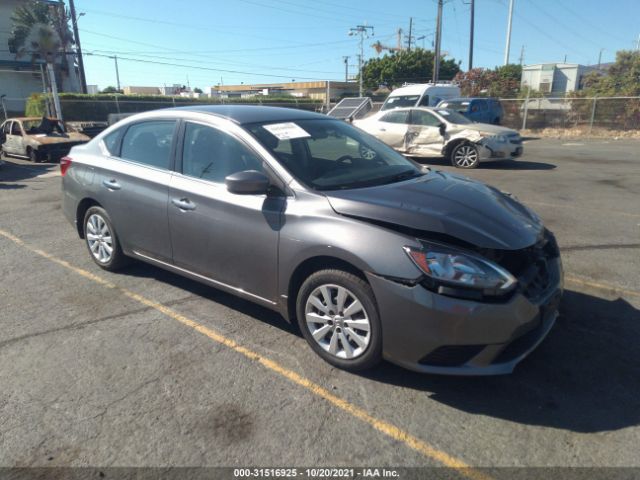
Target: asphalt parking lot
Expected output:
[145,368]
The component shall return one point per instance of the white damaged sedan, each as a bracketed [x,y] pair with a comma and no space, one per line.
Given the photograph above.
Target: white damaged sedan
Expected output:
[438,132]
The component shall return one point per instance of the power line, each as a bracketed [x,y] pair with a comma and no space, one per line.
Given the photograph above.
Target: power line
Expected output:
[199,52]
[199,67]
[162,57]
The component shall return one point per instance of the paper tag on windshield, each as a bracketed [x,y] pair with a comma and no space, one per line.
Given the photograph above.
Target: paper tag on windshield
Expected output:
[286,131]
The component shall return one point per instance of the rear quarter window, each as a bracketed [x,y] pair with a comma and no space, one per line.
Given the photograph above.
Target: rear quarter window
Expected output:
[112,142]
[149,143]
[396,117]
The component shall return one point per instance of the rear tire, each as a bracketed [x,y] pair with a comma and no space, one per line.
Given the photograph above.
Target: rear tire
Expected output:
[465,155]
[102,241]
[343,329]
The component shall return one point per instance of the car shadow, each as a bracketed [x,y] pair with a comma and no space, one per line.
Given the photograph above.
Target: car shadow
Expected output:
[12,171]
[584,377]
[492,165]
[246,307]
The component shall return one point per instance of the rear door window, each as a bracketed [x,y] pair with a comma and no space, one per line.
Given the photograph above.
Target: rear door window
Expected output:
[425,119]
[15,129]
[149,143]
[396,117]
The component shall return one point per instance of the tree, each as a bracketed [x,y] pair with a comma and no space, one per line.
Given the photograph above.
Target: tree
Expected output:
[502,81]
[416,66]
[197,90]
[111,89]
[41,31]
[622,79]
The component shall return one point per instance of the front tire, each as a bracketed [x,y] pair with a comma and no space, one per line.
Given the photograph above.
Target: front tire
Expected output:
[102,241]
[32,154]
[338,317]
[465,155]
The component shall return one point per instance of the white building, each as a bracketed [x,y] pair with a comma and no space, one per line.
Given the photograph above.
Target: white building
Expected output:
[554,78]
[19,78]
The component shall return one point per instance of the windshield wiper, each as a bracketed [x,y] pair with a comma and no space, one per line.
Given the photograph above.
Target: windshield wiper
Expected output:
[376,181]
[402,176]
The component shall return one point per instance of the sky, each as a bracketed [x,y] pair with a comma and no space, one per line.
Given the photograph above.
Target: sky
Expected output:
[205,42]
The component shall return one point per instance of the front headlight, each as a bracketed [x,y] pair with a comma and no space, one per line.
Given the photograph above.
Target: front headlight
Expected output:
[494,138]
[452,268]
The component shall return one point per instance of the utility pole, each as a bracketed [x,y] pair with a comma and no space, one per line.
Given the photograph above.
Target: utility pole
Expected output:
[54,91]
[4,109]
[521,59]
[508,45]
[76,36]
[346,68]
[600,57]
[471,36]
[115,58]
[436,58]
[363,32]
[410,29]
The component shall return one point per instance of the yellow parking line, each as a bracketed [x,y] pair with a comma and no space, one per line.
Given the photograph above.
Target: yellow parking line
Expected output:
[601,286]
[382,426]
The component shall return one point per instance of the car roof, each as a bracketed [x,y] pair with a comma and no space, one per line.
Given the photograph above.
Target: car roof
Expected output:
[420,88]
[243,114]
[467,99]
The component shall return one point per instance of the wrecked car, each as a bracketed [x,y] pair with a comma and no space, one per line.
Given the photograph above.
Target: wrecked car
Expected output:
[38,139]
[371,254]
[439,132]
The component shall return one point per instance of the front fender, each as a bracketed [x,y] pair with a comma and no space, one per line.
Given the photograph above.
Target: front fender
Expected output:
[321,232]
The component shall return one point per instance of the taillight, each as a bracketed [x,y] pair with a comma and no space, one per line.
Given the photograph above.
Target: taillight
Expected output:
[65,163]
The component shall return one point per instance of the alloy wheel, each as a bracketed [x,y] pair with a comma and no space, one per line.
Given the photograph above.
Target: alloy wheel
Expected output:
[338,321]
[465,156]
[99,238]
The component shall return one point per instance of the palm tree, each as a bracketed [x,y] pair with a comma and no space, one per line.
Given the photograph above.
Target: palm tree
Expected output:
[41,31]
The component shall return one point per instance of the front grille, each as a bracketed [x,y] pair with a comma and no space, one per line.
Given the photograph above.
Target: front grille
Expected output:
[531,266]
[451,355]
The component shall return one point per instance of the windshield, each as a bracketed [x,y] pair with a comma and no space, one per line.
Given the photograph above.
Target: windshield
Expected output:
[400,101]
[34,127]
[332,155]
[453,117]
[459,106]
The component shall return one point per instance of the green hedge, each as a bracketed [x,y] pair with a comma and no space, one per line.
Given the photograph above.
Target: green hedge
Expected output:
[84,108]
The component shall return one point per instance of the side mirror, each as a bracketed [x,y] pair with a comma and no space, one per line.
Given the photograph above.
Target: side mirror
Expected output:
[248,182]
[443,128]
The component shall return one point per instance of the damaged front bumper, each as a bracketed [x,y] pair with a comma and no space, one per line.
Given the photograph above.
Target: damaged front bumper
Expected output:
[491,149]
[432,333]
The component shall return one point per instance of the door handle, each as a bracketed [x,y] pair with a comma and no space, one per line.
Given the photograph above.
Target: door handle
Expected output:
[111,184]
[183,203]
[382,130]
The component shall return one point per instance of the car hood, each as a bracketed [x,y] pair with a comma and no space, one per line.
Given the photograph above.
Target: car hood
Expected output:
[71,137]
[445,204]
[485,127]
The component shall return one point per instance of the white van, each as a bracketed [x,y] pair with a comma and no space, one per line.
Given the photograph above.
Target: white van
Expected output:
[420,94]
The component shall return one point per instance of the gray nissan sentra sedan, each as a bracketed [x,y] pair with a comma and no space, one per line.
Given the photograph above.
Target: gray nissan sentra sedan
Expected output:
[373,256]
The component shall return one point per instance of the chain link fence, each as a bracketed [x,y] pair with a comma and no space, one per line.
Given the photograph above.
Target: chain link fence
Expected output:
[585,114]
[609,113]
